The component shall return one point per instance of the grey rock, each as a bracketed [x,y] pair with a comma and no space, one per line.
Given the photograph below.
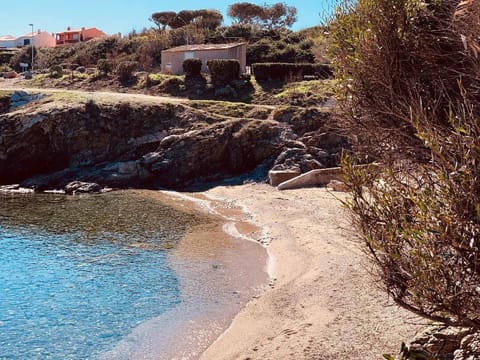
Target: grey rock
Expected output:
[15,97]
[150,158]
[442,343]
[152,145]
[80,187]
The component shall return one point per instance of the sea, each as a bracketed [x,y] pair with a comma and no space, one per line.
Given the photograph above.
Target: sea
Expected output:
[121,275]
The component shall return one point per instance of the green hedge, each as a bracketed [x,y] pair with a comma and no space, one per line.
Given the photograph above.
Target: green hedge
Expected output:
[192,67]
[287,71]
[223,70]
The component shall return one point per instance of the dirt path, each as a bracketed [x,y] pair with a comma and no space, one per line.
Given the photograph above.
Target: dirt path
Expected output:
[323,304]
[96,95]
[105,96]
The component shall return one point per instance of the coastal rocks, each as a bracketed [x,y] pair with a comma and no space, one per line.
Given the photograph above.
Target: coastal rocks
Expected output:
[448,343]
[22,97]
[232,148]
[297,159]
[79,187]
[151,145]
[309,141]
[469,348]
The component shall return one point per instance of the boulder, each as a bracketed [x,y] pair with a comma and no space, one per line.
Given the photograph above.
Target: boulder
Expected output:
[10,75]
[320,177]
[337,185]
[441,342]
[297,158]
[80,187]
[469,348]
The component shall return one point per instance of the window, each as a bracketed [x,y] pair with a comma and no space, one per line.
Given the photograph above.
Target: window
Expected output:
[26,42]
[189,55]
[76,37]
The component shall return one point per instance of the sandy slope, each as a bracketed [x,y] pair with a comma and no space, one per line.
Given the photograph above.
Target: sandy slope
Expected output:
[323,304]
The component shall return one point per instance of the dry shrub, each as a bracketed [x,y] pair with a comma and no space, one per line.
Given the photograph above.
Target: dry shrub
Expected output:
[409,90]
[125,70]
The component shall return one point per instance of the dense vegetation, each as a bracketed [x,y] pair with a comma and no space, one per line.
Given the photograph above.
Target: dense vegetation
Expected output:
[264,28]
[409,86]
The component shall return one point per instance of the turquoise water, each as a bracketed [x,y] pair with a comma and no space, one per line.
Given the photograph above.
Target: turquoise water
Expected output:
[78,274]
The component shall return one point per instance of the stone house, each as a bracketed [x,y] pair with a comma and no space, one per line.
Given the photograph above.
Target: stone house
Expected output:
[172,59]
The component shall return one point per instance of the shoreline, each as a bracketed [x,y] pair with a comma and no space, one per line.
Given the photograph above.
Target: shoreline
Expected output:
[218,250]
[322,302]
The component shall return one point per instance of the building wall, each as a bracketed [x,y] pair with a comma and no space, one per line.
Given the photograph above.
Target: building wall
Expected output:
[11,43]
[44,39]
[40,39]
[92,33]
[20,41]
[172,61]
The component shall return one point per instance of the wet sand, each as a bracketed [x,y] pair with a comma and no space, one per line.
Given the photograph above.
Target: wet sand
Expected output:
[218,271]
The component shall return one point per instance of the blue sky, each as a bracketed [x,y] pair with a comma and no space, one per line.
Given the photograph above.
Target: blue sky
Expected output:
[114,16]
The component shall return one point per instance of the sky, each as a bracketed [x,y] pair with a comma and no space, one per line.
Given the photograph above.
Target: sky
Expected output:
[113,16]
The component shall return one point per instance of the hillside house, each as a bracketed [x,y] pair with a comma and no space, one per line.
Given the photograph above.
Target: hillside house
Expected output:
[40,39]
[73,36]
[172,59]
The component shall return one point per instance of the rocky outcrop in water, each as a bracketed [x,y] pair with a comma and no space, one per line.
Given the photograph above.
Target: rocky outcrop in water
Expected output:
[48,145]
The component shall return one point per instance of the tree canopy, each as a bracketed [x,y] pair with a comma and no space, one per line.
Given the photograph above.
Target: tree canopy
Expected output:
[278,15]
[204,18]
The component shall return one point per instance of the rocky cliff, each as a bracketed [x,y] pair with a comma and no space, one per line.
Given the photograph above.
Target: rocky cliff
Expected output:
[48,144]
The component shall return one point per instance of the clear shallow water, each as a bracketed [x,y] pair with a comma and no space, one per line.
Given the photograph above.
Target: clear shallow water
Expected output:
[78,274]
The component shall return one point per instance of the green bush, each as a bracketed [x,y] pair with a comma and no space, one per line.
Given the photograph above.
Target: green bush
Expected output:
[285,47]
[125,70]
[24,55]
[287,71]
[5,57]
[223,71]
[192,67]
[172,85]
[104,66]
[408,90]
[5,68]
[56,71]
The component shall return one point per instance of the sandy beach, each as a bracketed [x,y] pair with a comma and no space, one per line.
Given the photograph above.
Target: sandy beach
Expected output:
[322,302]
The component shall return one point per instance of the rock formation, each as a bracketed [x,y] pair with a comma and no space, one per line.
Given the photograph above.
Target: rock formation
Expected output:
[48,145]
